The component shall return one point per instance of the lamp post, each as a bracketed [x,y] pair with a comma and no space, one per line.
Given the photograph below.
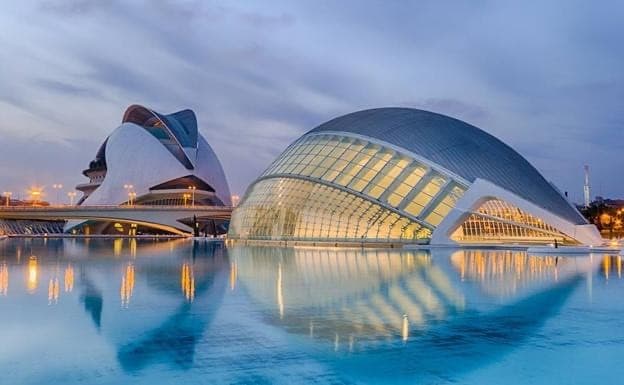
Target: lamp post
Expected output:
[192,188]
[7,195]
[129,188]
[58,188]
[131,196]
[71,195]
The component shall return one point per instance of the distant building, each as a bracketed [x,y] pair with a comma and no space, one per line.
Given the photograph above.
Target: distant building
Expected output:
[406,176]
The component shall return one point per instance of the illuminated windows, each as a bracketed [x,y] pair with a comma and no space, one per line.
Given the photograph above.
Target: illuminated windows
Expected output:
[293,209]
[345,188]
[500,221]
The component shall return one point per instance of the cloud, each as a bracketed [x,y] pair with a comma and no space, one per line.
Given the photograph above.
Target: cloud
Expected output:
[545,78]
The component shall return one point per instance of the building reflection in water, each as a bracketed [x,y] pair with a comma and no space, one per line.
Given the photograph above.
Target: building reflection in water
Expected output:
[343,294]
[413,309]
[203,279]
[367,293]
[504,273]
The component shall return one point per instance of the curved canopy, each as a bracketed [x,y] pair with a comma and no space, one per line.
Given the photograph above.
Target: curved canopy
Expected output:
[458,147]
[179,128]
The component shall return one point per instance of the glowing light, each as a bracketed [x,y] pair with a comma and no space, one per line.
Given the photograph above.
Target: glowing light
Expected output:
[35,194]
[33,280]
[187,282]
[127,285]
[7,197]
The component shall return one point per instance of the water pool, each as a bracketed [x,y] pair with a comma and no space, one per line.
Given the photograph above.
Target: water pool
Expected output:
[119,311]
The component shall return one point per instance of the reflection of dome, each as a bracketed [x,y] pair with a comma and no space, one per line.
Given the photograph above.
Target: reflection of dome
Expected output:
[440,299]
[346,291]
[405,175]
[157,158]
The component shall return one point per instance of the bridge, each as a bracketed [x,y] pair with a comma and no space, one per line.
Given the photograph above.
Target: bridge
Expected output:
[174,219]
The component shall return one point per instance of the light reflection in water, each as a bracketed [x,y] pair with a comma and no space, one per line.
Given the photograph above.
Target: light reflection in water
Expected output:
[611,266]
[69,279]
[4,279]
[233,275]
[53,291]
[388,314]
[133,247]
[117,246]
[33,272]
[280,295]
[127,285]
[187,281]
[505,273]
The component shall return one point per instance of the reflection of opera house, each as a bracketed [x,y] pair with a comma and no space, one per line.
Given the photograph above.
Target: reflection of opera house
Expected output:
[402,175]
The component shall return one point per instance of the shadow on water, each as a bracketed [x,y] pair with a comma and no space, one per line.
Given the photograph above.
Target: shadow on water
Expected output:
[402,316]
[174,340]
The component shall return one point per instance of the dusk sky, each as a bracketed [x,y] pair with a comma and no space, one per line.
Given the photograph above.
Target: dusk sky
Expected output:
[548,79]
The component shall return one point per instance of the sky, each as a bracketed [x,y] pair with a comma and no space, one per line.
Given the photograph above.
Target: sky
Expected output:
[547,78]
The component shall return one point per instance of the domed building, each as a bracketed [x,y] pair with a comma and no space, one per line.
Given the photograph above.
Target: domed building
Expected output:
[156,160]
[401,175]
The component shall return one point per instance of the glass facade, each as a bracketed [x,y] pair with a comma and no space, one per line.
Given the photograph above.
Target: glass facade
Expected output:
[500,221]
[417,165]
[295,209]
[345,188]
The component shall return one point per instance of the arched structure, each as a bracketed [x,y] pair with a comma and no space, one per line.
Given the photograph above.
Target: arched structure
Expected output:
[155,159]
[410,176]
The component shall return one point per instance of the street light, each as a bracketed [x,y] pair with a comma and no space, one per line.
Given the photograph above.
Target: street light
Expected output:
[35,194]
[57,187]
[192,188]
[131,196]
[129,188]
[71,195]
[7,195]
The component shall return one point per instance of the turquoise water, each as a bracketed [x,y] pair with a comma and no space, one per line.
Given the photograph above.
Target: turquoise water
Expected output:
[169,312]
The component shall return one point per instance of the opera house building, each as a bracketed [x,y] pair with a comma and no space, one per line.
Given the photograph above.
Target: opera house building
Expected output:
[400,176]
[153,159]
